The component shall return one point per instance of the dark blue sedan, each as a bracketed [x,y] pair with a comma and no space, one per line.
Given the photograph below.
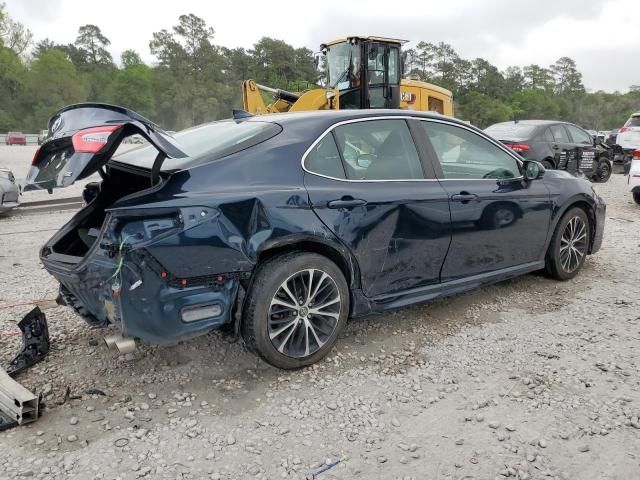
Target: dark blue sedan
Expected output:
[281,227]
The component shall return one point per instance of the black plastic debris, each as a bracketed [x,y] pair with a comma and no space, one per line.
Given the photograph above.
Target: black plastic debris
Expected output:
[35,341]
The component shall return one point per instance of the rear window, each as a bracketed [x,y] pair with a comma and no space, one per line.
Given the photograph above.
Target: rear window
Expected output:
[633,121]
[205,143]
[511,131]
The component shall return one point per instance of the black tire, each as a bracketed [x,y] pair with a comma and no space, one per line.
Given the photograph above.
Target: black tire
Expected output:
[636,197]
[260,314]
[603,170]
[547,165]
[556,261]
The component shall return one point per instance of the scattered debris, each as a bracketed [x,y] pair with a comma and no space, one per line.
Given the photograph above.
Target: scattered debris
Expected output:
[95,391]
[17,404]
[325,467]
[35,341]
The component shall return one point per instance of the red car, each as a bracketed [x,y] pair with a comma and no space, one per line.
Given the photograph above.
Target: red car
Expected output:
[16,138]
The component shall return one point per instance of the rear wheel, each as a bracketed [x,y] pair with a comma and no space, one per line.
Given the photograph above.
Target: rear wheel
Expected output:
[569,245]
[603,170]
[636,197]
[296,309]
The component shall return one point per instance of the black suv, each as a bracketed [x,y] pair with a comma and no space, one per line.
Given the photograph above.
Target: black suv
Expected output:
[557,145]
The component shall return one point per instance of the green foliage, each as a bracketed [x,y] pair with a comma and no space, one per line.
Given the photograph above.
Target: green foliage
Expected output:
[53,82]
[13,35]
[195,80]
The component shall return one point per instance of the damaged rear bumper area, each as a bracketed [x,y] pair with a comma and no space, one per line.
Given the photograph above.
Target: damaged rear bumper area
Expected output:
[146,285]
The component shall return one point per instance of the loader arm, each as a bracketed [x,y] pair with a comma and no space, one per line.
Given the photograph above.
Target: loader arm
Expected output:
[284,101]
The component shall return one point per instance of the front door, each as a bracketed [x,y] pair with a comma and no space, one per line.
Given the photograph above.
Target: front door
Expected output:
[498,220]
[368,185]
[584,147]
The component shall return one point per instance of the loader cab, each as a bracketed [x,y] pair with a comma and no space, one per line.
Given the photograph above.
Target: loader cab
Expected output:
[365,70]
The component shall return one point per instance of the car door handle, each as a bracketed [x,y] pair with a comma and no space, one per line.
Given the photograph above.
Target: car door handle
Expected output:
[464,197]
[346,202]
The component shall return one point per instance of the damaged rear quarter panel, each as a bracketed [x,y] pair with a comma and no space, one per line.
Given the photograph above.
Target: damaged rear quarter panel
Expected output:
[250,217]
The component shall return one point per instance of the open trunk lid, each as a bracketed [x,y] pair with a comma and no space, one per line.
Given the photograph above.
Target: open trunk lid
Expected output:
[83,137]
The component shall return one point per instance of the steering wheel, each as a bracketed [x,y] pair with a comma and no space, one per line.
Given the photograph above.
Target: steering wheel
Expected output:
[499,173]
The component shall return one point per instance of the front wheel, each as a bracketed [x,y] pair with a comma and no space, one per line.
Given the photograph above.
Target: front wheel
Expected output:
[603,170]
[636,197]
[569,245]
[296,308]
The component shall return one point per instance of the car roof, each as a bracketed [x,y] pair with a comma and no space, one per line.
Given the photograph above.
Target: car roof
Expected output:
[533,122]
[334,116]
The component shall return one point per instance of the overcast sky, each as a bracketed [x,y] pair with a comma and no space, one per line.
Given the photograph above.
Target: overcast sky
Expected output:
[603,36]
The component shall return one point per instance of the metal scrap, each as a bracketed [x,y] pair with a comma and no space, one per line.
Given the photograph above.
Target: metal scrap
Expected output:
[35,341]
[17,404]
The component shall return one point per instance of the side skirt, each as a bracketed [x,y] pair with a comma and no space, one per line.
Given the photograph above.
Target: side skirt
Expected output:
[362,305]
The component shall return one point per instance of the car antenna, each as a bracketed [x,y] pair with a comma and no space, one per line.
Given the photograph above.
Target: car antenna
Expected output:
[240,115]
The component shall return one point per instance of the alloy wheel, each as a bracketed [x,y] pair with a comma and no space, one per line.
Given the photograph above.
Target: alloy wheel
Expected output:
[573,244]
[304,313]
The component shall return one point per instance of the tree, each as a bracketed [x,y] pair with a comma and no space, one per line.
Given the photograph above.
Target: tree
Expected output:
[568,81]
[537,77]
[133,88]
[93,44]
[52,83]
[13,35]
[482,110]
[513,81]
[129,58]
[12,84]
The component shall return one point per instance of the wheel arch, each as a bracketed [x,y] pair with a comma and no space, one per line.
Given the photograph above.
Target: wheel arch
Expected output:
[335,253]
[584,205]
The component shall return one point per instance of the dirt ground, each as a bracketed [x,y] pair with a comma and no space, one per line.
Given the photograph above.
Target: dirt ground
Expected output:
[527,379]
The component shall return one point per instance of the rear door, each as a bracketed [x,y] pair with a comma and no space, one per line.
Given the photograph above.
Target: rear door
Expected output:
[564,155]
[498,221]
[82,138]
[368,184]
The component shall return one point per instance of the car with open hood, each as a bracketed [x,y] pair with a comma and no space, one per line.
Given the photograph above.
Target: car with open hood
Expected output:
[280,227]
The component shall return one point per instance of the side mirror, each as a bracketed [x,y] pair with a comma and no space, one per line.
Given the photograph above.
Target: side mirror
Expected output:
[533,170]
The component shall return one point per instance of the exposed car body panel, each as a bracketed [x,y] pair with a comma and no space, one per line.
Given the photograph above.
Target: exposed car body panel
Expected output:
[196,237]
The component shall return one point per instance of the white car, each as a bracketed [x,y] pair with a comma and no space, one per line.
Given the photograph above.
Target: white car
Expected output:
[629,134]
[634,176]
[9,191]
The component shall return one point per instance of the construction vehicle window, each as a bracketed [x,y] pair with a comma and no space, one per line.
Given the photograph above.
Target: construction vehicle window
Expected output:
[465,155]
[378,150]
[394,66]
[376,65]
[343,62]
[324,158]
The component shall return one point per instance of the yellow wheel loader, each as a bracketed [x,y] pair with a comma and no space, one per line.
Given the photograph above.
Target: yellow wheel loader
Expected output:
[361,72]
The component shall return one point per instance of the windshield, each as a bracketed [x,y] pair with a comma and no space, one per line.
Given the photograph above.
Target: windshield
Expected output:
[633,121]
[511,131]
[205,143]
[343,62]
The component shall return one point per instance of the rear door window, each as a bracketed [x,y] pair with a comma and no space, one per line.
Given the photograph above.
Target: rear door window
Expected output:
[378,150]
[324,158]
[548,136]
[559,134]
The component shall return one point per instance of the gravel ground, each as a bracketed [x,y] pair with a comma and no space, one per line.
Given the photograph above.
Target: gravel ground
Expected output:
[527,379]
